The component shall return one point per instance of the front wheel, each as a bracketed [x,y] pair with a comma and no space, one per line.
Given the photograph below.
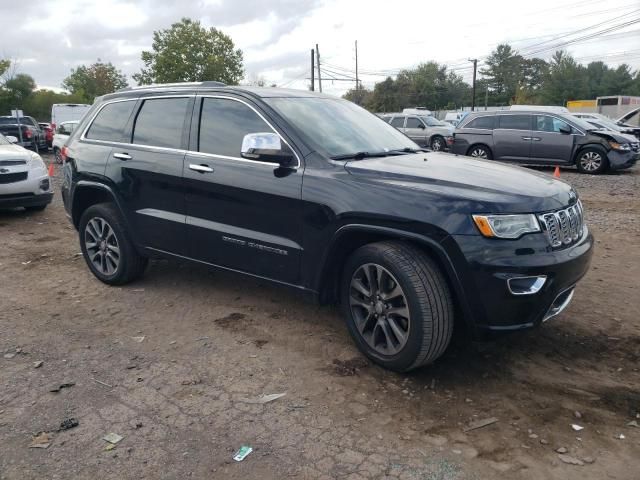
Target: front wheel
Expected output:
[106,246]
[592,160]
[480,151]
[437,144]
[397,305]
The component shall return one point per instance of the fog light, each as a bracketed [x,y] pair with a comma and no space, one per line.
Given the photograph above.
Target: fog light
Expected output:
[45,184]
[526,285]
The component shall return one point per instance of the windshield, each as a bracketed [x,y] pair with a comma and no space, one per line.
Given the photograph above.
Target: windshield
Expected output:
[339,127]
[433,122]
[578,122]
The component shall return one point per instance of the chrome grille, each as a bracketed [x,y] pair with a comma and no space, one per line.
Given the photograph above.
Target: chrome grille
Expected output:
[563,227]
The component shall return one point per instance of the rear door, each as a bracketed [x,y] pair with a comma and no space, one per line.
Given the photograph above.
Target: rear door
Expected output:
[548,143]
[416,130]
[241,214]
[398,122]
[512,137]
[148,171]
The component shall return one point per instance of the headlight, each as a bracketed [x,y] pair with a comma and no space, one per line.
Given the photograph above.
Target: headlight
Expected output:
[625,147]
[506,226]
[36,161]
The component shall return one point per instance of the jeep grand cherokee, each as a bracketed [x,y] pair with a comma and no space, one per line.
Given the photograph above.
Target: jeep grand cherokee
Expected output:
[315,193]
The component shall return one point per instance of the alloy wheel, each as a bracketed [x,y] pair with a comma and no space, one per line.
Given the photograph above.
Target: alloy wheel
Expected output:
[479,153]
[102,247]
[379,309]
[436,145]
[591,161]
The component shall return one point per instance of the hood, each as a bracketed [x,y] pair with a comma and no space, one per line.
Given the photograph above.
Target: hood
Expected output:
[444,129]
[489,186]
[615,136]
[14,152]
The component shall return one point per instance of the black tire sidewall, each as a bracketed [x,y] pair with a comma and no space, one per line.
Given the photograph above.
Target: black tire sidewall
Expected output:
[603,167]
[405,359]
[105,212]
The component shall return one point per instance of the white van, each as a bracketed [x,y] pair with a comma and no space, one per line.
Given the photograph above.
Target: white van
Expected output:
[454,117]
[417,111]
[545,108]
[66,112]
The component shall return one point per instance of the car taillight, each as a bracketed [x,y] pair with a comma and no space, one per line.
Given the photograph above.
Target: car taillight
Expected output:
[63,153]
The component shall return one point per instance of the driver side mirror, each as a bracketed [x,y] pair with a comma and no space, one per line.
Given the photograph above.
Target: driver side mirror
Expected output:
[421,126]
[267,147]
[565,130]
[12,139]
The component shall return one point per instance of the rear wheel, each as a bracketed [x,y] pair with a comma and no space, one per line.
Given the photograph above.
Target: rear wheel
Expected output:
[592,160]
[480,151]
[397,305]
[438,144]
[106,246]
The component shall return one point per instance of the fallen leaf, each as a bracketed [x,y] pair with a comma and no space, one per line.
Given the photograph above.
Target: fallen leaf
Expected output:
[138,339]
[264,399]
[40,441]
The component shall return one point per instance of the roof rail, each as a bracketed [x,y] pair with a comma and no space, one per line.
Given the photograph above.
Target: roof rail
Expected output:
[206,83]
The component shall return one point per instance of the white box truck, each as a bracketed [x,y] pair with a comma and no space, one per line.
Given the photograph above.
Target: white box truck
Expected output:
[65,112]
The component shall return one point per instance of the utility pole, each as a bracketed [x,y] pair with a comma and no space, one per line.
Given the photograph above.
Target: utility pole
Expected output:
[319,74]
[313,68]
[486,98]
[473,95]
[357,82]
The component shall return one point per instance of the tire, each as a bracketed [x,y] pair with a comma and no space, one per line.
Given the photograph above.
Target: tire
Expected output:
[57,155]
[480,151]
[592,160]
[438,144]
[112,257]
[36,208]
[422,311]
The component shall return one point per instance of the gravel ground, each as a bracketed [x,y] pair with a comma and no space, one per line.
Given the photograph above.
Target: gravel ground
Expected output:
[183,397]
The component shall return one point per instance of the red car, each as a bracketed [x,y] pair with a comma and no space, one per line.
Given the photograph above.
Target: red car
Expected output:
[48,133]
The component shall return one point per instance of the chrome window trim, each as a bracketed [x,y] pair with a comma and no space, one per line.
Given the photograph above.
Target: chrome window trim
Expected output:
[83,137]
[228,157]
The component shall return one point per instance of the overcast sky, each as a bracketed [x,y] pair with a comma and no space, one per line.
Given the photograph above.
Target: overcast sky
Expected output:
[52,37]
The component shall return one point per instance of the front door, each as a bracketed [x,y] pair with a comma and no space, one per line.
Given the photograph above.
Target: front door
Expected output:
[512,137]
[548,143]
[416,131]
[241,214]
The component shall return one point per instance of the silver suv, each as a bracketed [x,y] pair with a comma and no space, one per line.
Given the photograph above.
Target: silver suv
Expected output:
[425,130]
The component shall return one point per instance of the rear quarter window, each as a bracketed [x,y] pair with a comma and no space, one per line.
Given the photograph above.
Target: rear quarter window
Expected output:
[482,123]
[108,126]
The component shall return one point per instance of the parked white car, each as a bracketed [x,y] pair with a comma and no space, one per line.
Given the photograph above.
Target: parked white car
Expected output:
[60,137]
[24,181]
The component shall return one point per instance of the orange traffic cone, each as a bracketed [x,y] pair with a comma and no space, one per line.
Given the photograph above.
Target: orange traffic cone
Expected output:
[556,173]
[52,170]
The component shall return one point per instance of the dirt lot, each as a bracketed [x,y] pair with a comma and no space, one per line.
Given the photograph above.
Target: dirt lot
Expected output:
[214,342]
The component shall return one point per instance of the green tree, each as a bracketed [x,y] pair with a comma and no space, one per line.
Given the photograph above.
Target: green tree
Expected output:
[188,52]
[95,80]
[4,66]
[566,80]
[504,73]
[39,103]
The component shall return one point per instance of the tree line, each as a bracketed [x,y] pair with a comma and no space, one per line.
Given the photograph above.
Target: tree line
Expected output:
[185,52]
[507,78]
[189,52]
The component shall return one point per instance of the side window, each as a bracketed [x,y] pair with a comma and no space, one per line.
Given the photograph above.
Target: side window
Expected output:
[110,122]
[544,123]
[223,125]
[160,122]
[397,122]
[413,122]
[483,123]
[515,122]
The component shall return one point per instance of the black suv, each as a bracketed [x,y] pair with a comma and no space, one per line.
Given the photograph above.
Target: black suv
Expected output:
[315,193]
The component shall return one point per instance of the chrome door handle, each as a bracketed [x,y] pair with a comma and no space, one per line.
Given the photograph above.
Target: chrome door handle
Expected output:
[122,156]
[526,138]
[536,139]
[200,168]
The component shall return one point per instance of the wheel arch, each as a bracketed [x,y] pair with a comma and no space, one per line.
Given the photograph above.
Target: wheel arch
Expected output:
[88,193]
[581,148]
[351,237]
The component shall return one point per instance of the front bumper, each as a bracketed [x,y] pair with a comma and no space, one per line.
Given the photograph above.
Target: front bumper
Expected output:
[36,190]
[620,160]
[486,266]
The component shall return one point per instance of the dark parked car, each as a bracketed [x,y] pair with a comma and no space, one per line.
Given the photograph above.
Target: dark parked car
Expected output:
[26,130]
[544,138]
[317,194]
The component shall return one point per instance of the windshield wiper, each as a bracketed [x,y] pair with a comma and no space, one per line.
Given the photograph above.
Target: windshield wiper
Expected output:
[358,155]
[407,150]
